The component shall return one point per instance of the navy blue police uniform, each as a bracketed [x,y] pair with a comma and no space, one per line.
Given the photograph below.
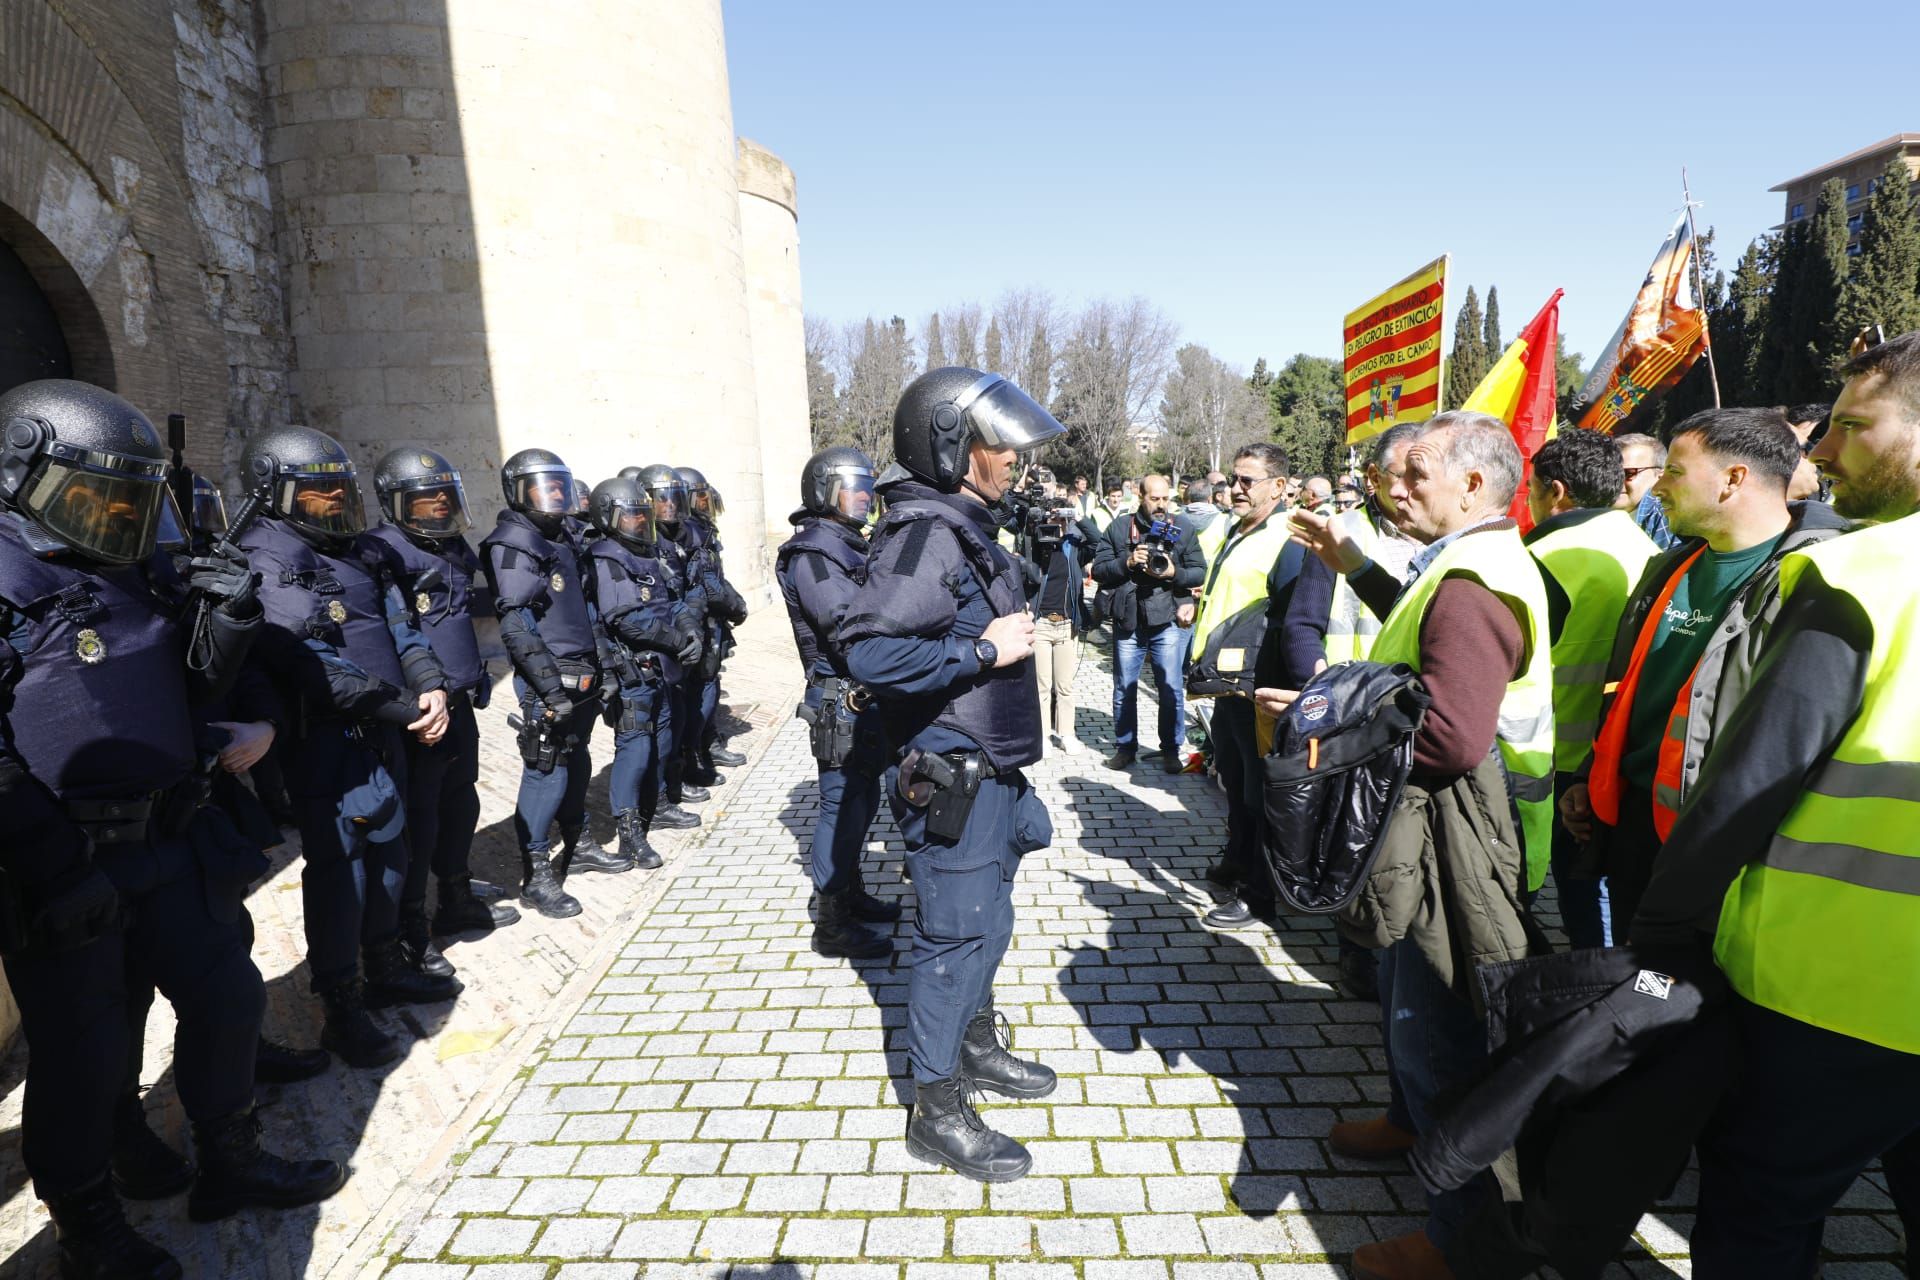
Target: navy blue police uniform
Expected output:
[678,552]
[647,626]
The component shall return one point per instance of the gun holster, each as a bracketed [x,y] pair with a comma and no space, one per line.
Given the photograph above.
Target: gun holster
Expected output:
[833,727]
[952,784]
[539,747]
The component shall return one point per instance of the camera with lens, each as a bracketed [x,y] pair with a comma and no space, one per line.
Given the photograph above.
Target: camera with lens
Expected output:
[1160,539]
[1046,523]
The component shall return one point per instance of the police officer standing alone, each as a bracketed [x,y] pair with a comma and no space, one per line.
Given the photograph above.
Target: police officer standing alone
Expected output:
[548,630]
[649,634]
[112,861]
[425,521]
[820,568]
[940,633]
[344,654]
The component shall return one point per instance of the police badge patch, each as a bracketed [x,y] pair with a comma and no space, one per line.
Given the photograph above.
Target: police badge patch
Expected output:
[646,593]
[336,611]
[423,603]
[557,581]
[89,648]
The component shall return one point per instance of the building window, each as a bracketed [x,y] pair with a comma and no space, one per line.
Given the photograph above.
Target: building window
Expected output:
[1853,250]
[1853,223]
[1799,211]
[1853,192]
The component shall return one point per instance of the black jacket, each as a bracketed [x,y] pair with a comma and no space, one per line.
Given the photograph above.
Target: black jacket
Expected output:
[1142,602]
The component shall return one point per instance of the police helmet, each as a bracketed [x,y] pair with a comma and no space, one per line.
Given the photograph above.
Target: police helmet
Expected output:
[209,508]
[668,491]
[421,492]
[170,535]
[314,486]
[537,483]
[83,465]
[582,498]
[703,497]
[943,411]
[623,510]
[630,473]
[838,482]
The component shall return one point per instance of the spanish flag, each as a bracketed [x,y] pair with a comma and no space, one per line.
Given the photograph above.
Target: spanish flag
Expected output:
[1519,388]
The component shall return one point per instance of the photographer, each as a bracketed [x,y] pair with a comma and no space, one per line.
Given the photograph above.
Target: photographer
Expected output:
[1054,540]
[1150,560]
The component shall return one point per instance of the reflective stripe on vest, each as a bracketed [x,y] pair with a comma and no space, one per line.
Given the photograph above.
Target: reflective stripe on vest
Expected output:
[1825,926]
[1604,784]
[1596,562]
[1238,576]
[1498,561]
[1351,626]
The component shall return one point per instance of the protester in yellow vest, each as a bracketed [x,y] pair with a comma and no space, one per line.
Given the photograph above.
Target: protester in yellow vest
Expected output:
[1472,619]
[1242,574]
[1810,806]
[1592,556]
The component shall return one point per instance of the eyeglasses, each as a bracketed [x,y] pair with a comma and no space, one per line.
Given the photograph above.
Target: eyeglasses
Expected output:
[1238,481]
[1631,472]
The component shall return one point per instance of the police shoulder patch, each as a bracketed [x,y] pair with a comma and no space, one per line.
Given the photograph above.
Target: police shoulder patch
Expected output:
[913,544]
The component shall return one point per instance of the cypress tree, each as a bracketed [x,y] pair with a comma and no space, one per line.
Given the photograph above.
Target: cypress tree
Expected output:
[1739,330]
[1784,253]
[1492,329]
[1885,287]
[936,349]
[1469,362]
[1815,304]
[993,354]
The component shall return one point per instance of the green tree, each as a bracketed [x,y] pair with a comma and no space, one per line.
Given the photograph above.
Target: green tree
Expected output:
[1308,402]
[936,349]
[1469,361]
[995,357]
[1260,379]
[1739,329]
[1776,376]
[1815,305]
[1568,377]
[1885,286]
[1491,330]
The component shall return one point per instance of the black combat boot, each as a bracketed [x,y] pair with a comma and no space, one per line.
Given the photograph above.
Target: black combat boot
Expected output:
[691,792]
[674,818]
[236,1174]
[487,891]
[839,932]
[985,1060]
[463,911]
[391,980]
[283,1064]
[541,890]
[144,1167]
[581,852]
[719,755]
[416,944]
[633,841]
[871,909]
[97,1244]
[349,1030]
[945,1129]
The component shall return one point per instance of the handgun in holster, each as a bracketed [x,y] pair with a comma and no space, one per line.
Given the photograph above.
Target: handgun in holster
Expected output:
[833,727]
[539,747]
[954,784]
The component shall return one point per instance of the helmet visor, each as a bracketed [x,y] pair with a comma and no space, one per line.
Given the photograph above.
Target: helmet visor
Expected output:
[1005,417]
[324,499]
[716,505]
[582,498]
[171,534]
[706,503]
[670,502]
[631,521]
[209,509]
[547,493]
[432,506]
[103,505]
[850,494]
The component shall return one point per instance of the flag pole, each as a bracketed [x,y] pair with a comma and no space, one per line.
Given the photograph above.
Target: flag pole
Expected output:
[1700,287]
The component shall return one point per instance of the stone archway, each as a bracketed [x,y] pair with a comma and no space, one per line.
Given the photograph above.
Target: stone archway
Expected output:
[49,325]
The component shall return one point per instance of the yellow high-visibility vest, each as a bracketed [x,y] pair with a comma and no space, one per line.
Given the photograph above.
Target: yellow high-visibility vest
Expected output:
[1237,573]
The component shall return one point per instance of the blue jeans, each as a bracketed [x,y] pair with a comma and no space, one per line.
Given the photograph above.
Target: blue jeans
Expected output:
[1584,907]
[562,793]
[1167,646]
[1435,1045]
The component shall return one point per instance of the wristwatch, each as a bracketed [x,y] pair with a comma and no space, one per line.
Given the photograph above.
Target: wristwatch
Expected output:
[983,650]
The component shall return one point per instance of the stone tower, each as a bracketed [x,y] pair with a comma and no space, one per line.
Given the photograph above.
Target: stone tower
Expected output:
[769,222]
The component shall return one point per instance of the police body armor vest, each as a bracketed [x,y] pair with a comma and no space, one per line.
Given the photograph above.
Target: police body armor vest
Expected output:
[445,612]
[623,579]
[1497,561]
[1000,708]
[1824,926]
[533,572]
[338,599]
[823,542]
[100,707]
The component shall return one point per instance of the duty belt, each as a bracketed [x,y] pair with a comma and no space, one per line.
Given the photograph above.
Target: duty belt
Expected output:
[856,696]
[941,767]
[577,684]
[118,820]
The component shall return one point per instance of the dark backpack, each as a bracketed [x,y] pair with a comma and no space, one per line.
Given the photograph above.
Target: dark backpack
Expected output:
[1341,755]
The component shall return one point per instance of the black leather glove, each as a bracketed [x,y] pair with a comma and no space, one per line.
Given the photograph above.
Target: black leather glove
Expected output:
[559,706]
[85,909]
[227,581]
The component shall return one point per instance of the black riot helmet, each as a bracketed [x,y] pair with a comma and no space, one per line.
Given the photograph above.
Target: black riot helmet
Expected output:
[838,482]
[209,508]
[943,411]
[703,498]
[84,466]
[631,473]
[420,491]
[623,510]
[537,483]
[314,486]
[668,491]
[582,499]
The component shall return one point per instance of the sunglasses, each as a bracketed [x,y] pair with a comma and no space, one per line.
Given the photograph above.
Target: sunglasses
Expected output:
[1238,481]
[1631,472]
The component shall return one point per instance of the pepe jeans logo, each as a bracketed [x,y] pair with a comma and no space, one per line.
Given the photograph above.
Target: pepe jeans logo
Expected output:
[1649,983]
[1687,622]
[1314,707]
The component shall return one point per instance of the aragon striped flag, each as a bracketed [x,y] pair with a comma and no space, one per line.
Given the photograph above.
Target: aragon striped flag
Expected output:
[1519,390]
[1654,346]
[1392,354]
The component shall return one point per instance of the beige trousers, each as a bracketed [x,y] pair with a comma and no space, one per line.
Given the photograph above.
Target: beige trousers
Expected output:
[1056,656]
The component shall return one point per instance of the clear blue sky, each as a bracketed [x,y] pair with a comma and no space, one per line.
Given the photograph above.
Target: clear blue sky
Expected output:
[1259,169]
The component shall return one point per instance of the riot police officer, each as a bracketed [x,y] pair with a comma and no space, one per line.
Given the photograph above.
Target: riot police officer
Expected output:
[677,551]
[727,610]
[941,634]
[343,650]
[649,633]
[819,569]
[113,866]
[423,506]
[549,632]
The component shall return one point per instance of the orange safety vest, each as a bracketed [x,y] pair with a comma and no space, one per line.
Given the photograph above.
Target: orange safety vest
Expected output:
[1604,784]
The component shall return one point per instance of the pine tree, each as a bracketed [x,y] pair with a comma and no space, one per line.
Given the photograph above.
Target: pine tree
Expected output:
[1739,329]
[1036,373]
[1493,343]
[1307,399]
[936,349]
[1776,375]
[1260,379]
[1815,305]
[991,346]
[1469,362]
[1885,287]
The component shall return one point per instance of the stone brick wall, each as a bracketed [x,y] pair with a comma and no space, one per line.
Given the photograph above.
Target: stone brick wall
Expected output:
[769,226]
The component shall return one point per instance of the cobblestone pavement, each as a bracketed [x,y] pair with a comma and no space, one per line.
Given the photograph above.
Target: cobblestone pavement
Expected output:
[681,1090]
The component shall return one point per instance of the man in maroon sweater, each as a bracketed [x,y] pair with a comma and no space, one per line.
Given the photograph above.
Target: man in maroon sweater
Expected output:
[1458,480]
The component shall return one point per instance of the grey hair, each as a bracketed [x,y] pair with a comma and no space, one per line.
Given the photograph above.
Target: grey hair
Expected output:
[1632,438]
[1392,438]
[1481,442]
